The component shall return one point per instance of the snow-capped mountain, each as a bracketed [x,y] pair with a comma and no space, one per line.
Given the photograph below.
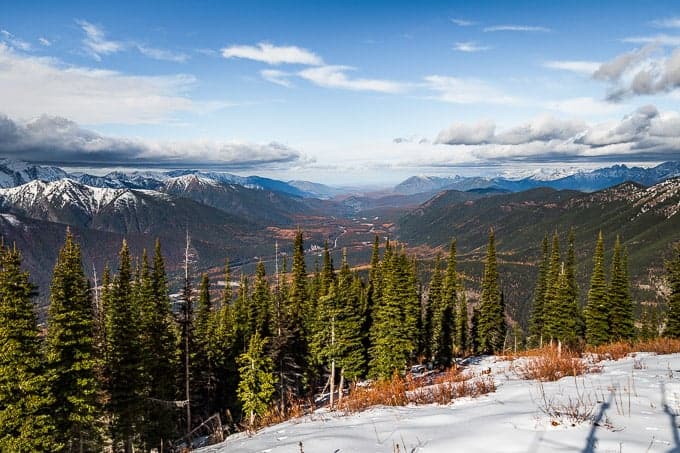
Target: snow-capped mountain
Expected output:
[14,173]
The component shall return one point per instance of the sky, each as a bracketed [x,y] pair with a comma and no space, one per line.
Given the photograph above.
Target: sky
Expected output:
[340,92]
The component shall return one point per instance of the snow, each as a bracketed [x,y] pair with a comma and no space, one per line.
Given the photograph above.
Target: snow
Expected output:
[634,405]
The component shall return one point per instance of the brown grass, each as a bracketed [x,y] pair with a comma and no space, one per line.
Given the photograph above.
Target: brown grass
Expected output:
[399,391]
[619,350]
[550,365]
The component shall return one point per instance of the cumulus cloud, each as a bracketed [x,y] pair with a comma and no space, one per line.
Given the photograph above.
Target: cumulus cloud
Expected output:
[31,86]
[643,135]
[273,55]
[336,77]
[518,28]
[58,140]
[577,66]
[458,90]
[644,71]
[469,46]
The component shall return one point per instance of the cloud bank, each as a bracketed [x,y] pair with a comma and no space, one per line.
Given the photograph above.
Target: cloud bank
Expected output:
[57,140]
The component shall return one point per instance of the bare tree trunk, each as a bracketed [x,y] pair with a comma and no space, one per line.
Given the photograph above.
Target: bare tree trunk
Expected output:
[333,361]
[342,385]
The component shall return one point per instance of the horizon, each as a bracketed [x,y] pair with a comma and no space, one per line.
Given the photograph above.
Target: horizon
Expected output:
[367,94]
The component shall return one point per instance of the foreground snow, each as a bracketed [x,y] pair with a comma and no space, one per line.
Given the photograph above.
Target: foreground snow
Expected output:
[631,406]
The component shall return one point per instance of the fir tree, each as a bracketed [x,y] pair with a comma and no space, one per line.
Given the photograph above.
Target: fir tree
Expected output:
[672,329]
[538,306]
[597,310]
[256,387]
[462,328]
[432,312]
[621,321]
[299,315]
[491,324]
[261,302]
[444,332]
[204,360]
[71,354]
[573,295]
[26,424]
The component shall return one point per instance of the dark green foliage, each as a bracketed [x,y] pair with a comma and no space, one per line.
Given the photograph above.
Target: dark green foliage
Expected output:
[432,312]
[538,307]
[71,355]
[444,331]
[621,322]
[26,424]
[597,310]
[204,356]
[462,328]
[672,328]
[124,366]
[299,315]
[491,324]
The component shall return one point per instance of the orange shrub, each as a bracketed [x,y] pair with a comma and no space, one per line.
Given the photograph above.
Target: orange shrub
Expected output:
[550,366]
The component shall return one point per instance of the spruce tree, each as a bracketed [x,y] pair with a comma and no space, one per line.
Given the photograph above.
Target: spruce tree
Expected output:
[597,309]
[621,321]
[444,331]
[124,367]
[462,328]
[491,323]
[538,305]
[256,385]
[71,355]
[299,315]
[432,313]
[203,363]
[26,424]
[672,329]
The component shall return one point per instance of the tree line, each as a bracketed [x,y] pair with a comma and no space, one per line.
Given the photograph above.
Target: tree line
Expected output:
[118,365]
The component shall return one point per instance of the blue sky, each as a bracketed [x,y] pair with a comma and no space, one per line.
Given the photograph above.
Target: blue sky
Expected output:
[344,92]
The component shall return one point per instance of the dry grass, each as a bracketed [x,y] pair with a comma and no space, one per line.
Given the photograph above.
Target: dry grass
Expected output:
[550,365]
[295,409]
[619,350]
[399,391]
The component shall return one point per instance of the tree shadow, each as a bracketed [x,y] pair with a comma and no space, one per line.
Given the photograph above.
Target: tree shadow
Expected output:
[673,419]
[591,441]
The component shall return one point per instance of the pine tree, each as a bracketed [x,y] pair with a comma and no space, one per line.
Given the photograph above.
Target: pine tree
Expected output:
[26,424]
[538,306]
[225,348]
[256,386]
[445,325]
[203,363]
[327,271]
[124,367]
[597,310]
[491,324]
[71,354]
[672,329]
[552,309]
[261,302]
[299,315]
[462,328]
[621,320]
[573,294]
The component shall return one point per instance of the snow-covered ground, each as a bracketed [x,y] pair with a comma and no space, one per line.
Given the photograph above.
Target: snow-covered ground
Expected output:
[632,405]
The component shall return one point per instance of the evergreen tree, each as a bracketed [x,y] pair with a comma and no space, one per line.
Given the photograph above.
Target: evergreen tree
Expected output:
[491,324]
[672,329]
[560,320]
[261,302]
[124,367]
[432,313]
[327,271]
[203,357]
[256,387]
[573,295]
[159,346]
[597,310]
[621,321]
[462,328]
[71,354]
[225,349]
[299,315]
[26,424]
[445,325]
[538,306]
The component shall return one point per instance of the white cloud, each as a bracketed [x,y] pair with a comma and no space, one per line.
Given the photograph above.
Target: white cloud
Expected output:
[277,77]
[580,106]
[670,22]
[644,135]
[644,71]
[59,140]
[519,28]
[14,41]
[578,66]
[95,42]
[466,91]
[162,54]
[462,22]
[336,77]
[660,39]
[469,46]
[45,42]
[31,86]
[273,55]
